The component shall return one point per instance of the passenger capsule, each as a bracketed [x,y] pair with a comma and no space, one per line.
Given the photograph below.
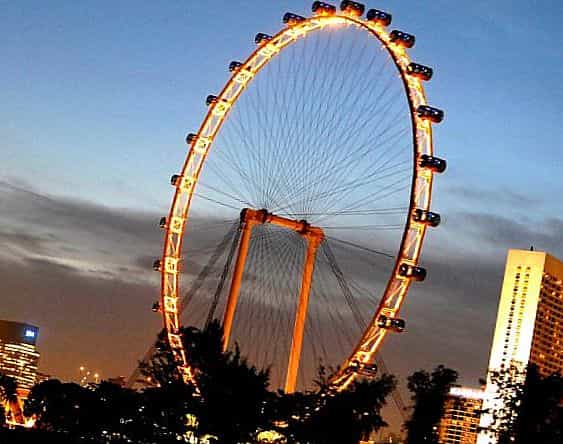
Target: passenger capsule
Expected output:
[211,99]
[426,112]
[321,8]
[191,138]
[362,369]
[396,324]
[261,37]
[157,265]
[290,18]
[353,8]
[435,164]
[234,66]
[420,71]
[175,179]
[156,307]
[163,223]
[380,17]
[402,39]
[412,272]
[426,217]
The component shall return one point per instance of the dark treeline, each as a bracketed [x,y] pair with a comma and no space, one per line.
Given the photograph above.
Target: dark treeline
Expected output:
[532,409]
[235,404]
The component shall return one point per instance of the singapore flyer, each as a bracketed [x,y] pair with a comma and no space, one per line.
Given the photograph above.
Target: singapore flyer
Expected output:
[299,214]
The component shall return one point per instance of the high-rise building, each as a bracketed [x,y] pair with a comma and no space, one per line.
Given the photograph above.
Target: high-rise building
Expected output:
[460,421]
[19,357]
[529,327]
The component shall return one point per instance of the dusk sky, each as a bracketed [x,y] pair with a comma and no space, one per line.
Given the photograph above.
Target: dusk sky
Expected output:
[96,98]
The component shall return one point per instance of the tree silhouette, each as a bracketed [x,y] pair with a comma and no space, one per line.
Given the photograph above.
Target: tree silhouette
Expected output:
[531,407]
[429,391]
[63,407]
[233,392]
[233,403]
[8,395]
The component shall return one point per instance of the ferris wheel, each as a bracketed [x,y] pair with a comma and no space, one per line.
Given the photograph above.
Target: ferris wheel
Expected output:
[306,196]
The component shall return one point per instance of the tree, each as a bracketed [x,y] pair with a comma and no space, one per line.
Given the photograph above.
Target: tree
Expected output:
[8,395]
[352,414]
[233,392]
[325,415]
[429,391]
[531,407]
[236,402]
[63,407]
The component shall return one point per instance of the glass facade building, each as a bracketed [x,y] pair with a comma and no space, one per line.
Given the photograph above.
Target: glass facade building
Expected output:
[19,357]
[529,326]
[460,421]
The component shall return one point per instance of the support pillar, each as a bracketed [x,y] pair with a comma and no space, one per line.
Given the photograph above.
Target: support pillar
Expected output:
[314,238]
[229,316]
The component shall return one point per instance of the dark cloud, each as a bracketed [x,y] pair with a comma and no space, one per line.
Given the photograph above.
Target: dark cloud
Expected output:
[523,232]
[82,272]
[498,197]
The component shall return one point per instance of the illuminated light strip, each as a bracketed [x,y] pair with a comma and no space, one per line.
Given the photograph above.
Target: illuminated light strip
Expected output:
[170,304]
[176,225]
[396,288]
[201,144]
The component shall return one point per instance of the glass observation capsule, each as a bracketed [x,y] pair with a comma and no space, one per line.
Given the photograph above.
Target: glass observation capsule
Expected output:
[412,272]
[379,17]
[433,163]
[402,39]
[426,217]
[420,71]
[426,112]
[395,324]
[261,37]
[235,66]
[290,18]
[352,8]
[191,138]
[321,8]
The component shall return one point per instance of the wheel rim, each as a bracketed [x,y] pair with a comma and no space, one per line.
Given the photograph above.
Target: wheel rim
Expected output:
[209,133]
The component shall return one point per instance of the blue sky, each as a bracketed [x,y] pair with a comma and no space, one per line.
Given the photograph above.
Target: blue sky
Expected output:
[113,85]
[96,98]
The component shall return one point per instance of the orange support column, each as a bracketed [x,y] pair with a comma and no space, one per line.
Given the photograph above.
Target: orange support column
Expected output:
[247,224]
[314,238]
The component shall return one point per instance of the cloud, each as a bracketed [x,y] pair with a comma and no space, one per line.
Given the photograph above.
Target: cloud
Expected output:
[522,232]
[81,271]
[498,197]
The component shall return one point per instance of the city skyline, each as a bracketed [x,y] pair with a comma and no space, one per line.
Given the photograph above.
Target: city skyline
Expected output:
[528,330]
[61,227]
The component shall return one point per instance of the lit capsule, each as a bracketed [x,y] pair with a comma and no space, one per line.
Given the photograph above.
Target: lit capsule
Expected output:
[426,217]
[211,99]
[321,8]
[420,71]
[191,138]
[175,179]
[157,265]
[292,19]
[396,324]
[412,272]
[234,66]
[261,37]
[402,39]
[435,164]
[430,113]
[380,17]
[353,8]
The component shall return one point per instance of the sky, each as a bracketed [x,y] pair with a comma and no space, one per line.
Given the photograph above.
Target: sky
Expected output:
[96,98]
